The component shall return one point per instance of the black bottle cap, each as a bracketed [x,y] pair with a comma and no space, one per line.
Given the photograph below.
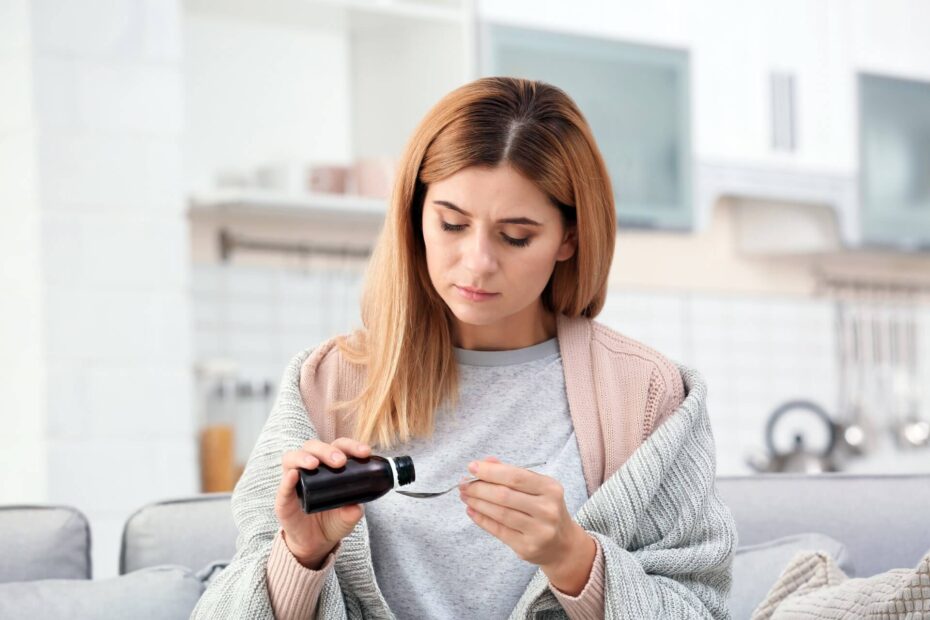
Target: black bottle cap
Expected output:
[405,471]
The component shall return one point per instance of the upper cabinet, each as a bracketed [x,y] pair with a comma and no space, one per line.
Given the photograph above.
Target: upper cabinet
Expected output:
[894,155]
[295,82]
[754,101]
[636,98]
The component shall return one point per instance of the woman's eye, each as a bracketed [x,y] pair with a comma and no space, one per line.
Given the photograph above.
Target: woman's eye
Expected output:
[520,243]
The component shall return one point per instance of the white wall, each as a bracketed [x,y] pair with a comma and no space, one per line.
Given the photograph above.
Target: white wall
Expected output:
[97,263]
[22,375]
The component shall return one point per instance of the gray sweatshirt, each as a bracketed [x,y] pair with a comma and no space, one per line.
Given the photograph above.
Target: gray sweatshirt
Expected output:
[429,557]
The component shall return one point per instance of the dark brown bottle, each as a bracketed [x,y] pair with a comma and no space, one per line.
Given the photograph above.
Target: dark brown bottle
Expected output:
[359,480]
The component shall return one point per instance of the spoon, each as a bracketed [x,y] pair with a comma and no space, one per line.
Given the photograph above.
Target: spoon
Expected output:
[470,479]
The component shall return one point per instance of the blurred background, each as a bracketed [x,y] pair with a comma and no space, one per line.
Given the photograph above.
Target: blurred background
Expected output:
[190,190]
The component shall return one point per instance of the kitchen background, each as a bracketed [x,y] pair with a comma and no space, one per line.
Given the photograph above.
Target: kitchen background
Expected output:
[189,191]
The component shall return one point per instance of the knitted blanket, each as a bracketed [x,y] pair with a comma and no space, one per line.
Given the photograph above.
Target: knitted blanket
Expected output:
[667,537]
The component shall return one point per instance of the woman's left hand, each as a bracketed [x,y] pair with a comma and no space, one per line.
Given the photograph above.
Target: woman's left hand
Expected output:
[527,512]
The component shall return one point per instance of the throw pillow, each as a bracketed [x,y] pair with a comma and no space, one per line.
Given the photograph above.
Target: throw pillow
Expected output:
[813,586]
[757,567]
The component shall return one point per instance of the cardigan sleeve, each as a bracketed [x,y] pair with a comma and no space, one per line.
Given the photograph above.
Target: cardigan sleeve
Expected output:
[589,604]
[294,589]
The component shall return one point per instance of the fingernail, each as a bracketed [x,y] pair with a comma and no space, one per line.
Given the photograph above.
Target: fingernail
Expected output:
[336,456]
[308,461]
[473,467]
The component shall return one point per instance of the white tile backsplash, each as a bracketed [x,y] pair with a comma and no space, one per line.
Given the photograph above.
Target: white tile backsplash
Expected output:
[262,317]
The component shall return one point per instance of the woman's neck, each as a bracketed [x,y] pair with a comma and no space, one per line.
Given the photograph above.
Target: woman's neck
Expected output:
[513,332]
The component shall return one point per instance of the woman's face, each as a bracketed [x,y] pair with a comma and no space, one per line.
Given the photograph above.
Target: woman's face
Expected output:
[492,229]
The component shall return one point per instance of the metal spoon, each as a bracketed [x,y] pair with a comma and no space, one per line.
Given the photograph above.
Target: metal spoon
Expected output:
[470,479]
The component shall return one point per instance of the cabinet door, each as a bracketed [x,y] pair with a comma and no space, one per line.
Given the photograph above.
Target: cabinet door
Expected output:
[636,100]
[894,161]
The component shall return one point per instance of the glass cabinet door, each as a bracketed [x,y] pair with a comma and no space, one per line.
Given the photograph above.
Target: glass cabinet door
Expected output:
[894,161]
[636,99]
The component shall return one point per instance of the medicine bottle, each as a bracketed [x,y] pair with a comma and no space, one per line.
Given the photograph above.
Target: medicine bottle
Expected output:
[359,480]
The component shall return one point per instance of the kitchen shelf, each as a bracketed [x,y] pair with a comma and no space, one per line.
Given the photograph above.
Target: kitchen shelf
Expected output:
[254,202]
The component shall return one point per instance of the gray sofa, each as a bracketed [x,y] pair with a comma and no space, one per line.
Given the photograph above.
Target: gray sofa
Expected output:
[172,549]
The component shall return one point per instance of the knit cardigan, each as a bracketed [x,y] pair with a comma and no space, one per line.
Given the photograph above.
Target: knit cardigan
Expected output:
[665,539]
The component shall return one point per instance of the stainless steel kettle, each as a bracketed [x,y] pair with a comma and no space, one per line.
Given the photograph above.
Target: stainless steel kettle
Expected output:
[798,459]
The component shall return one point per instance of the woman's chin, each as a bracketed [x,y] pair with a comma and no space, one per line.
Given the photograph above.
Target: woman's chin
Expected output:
[477,317]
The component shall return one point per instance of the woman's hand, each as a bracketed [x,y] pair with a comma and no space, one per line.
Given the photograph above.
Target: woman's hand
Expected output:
[527,512]
[311,537]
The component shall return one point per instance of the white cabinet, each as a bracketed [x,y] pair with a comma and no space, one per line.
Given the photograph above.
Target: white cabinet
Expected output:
[636,99]
[314,81]
[894,126]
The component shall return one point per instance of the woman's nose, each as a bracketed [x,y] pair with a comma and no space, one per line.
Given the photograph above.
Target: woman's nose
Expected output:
[478,255]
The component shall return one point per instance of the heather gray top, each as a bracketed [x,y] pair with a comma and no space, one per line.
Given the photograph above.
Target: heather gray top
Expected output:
[429,557]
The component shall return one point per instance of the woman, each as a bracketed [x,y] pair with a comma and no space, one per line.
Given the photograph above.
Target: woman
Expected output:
[479,338]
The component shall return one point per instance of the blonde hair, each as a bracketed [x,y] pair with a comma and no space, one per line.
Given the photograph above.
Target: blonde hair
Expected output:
[406,342]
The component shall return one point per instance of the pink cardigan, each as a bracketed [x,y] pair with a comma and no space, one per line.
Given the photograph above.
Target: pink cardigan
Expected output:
[619,390]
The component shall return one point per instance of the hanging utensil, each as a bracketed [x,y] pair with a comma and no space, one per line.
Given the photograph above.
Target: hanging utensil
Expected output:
[850,435]
[912,431]
[860,433]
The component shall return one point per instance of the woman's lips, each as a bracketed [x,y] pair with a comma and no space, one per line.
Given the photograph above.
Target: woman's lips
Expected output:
[473,296]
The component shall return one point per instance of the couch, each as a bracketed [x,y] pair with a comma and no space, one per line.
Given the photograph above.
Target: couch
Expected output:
[170,550]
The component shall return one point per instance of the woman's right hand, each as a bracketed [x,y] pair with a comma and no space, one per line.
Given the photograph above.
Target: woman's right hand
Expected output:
[311,537]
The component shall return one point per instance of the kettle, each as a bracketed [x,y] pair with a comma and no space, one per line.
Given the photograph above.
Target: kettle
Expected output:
[799,459]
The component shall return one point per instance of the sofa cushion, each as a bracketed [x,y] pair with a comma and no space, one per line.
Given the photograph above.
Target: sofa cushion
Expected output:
[157,593]
[48,542]
[191,531]
[814,586]
[757,567]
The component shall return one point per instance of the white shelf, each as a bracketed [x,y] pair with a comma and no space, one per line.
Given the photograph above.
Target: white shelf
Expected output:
[255,202]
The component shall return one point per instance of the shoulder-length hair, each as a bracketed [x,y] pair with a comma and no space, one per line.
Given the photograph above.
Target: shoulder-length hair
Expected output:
[406,343]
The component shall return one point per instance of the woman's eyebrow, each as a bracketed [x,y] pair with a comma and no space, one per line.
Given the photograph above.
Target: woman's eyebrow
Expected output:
[509,220]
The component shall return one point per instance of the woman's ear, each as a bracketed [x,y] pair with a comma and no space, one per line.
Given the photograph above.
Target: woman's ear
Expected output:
[569,244]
